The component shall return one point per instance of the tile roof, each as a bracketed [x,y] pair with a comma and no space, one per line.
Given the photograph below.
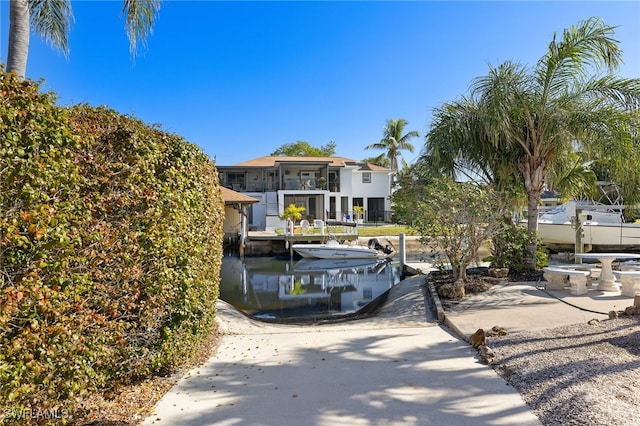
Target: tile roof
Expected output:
[230,196]
[271,161]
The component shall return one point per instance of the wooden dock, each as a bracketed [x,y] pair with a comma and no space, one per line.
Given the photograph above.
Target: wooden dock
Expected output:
[272,244]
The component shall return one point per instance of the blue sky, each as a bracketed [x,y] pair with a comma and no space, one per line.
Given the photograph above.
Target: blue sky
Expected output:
[240,79]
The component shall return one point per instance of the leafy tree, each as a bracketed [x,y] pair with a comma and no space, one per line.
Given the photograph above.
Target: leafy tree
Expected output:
[304,149]
[525,121]
[52,20]
[410,184]
[393,141]
[458,218]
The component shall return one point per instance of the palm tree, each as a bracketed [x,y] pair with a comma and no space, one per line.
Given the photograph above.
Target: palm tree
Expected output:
[460,145]
[393,141]
[536,117]
[291,214]
[381,160]
[52,20]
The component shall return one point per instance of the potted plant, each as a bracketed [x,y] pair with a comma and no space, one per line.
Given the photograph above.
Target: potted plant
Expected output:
[322,182]
[291,214]
[358,211]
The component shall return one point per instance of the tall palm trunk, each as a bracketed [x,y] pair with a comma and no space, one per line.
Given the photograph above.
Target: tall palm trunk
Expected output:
[51,19]
[18,37]
[533,170]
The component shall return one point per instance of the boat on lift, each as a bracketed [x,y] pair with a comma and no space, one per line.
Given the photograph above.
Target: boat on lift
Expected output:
[601,227]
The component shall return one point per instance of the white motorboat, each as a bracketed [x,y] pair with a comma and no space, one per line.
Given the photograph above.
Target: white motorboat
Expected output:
[602,228]
[334,250]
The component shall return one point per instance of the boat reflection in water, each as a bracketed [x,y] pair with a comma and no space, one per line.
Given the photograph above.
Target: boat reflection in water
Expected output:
[307,289]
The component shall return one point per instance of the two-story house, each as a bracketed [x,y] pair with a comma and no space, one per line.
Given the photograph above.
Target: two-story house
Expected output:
[327,187]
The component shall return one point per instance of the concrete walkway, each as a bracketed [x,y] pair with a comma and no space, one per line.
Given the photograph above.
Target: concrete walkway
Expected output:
[527,306]
[400,367]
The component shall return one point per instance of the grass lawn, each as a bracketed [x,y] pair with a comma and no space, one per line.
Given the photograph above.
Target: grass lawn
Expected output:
[377,231]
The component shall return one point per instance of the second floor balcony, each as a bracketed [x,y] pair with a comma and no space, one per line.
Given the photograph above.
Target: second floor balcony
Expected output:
[290,177]
[293,184]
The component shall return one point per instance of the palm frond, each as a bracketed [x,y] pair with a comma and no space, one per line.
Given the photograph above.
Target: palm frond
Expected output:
[52,20]
[140,16]
[575,180]
[622,93]
[584,48]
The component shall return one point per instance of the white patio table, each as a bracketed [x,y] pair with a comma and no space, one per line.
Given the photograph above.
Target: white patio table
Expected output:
[607,280]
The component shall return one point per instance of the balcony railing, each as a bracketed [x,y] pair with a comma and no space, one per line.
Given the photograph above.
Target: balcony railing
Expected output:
[288,184]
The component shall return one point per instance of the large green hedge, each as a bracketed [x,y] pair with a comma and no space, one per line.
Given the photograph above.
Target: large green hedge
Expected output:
[110,249]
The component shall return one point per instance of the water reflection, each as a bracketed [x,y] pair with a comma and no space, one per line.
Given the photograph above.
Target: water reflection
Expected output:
[270,288]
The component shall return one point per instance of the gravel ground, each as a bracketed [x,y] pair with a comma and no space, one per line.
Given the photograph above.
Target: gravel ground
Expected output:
[583,374]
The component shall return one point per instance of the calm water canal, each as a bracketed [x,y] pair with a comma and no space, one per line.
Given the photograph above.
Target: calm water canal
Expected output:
[277,289]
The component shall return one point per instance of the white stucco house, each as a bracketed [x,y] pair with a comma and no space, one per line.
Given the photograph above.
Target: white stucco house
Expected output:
[327,187]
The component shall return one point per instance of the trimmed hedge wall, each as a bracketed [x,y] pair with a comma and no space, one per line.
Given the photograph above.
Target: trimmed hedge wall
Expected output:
[110,249]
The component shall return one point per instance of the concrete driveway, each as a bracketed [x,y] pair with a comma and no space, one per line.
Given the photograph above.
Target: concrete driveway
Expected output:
[399,367]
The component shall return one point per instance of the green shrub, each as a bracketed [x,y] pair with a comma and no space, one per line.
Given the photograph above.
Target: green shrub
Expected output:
[458,217]
[510,249]
[110,249]
[42,343]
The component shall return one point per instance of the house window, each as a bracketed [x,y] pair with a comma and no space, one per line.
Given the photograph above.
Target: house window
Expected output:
[235,180]
[366,177]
